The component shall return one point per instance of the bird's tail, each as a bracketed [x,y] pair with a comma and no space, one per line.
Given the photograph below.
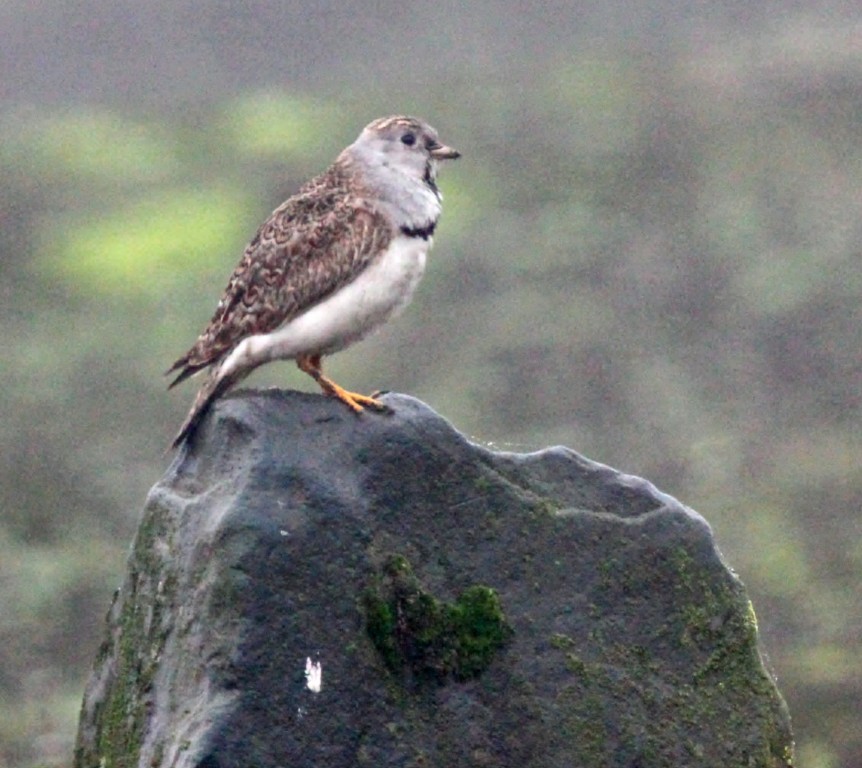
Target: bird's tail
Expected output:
[213,387]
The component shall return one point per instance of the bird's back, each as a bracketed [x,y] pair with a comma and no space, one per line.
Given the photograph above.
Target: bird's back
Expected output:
[313,242]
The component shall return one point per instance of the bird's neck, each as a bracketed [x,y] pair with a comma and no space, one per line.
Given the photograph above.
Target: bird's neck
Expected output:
[408,199]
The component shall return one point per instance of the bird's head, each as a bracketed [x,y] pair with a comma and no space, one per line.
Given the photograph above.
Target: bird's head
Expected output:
[405,145]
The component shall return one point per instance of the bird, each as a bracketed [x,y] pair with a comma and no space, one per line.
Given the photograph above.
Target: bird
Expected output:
[328,266]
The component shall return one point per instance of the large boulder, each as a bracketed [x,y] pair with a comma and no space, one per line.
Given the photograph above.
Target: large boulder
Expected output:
[313,588]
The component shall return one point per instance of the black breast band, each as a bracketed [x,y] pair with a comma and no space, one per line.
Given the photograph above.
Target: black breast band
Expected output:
[423,232]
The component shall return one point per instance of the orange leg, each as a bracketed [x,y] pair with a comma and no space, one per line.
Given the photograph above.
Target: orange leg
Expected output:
[310,364]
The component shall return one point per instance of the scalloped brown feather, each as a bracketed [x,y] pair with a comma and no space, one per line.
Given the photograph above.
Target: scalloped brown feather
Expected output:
[310,245]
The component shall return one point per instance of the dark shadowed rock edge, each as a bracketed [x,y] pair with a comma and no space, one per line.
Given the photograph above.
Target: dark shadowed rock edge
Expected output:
[288,525]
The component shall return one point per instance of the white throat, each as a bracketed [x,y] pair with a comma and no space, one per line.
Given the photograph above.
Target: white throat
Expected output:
[400,189]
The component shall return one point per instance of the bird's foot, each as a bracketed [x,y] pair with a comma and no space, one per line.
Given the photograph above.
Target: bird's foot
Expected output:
[310,364]
[356,401]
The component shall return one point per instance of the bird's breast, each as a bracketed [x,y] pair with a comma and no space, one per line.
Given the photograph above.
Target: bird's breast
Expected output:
[387,284]
[383,288]
[356,309]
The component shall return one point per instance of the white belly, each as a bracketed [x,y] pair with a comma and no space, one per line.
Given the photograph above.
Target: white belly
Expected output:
[352,312]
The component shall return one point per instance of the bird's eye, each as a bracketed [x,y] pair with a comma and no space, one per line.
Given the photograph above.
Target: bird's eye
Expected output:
[409,139]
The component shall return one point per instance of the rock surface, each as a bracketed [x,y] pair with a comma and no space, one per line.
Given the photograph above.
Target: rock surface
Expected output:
[465,608]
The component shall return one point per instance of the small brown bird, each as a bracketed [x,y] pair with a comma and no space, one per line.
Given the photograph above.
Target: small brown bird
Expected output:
[329,266]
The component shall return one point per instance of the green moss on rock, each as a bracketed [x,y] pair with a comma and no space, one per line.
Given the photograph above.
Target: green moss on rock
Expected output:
[428,638]
[140,640]
[658,705]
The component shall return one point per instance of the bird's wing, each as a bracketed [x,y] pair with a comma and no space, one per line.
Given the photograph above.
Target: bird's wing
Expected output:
[308,247]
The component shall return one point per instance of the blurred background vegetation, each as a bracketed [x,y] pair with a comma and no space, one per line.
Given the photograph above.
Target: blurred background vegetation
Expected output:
[650,252]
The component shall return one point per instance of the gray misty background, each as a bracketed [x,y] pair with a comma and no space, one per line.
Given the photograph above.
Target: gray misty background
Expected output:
[649,252]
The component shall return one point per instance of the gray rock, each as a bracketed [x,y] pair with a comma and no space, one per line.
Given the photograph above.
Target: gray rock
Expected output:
[466,608]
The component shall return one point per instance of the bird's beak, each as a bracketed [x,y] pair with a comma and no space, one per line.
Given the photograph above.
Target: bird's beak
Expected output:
[442,152]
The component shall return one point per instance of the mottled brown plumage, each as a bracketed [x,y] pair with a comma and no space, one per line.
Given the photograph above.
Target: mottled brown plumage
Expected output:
[310,244]
[328,266]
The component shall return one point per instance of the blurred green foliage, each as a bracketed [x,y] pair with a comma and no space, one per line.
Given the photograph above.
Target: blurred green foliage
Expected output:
[91,145]
[656,264]
[127,254]
[275,124]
